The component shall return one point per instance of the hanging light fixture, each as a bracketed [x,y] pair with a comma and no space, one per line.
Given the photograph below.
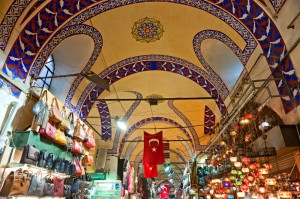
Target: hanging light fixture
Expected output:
[238,164]
[285,194]
[240,194]
[270,181]
[233,159]
[120,124]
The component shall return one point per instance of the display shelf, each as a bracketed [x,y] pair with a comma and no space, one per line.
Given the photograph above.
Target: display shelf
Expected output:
[35,168]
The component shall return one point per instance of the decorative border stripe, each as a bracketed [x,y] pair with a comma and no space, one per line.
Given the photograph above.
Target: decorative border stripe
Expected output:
[187,122]
[105,120]
[10,19]
[209,121]
[243,55]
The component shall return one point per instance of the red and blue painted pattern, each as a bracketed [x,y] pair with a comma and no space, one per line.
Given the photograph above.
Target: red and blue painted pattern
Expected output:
[209,121]
[105,120]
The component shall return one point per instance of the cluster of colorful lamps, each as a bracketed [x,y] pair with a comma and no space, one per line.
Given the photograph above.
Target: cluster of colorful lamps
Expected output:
[247,179]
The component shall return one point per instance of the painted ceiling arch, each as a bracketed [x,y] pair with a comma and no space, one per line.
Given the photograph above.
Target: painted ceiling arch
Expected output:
[55,14]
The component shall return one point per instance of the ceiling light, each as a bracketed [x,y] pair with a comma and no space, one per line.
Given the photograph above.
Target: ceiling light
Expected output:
[120,124]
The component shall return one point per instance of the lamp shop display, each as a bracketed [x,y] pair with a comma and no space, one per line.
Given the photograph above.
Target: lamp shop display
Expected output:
[233,170]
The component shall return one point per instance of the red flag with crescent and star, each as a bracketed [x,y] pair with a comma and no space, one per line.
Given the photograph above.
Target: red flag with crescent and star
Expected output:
[153,149]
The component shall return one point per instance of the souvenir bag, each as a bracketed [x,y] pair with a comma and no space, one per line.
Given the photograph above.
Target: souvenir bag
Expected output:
[58,186]
[71,131]
[42,158]
[30,155]
[16,183]
[49,131]
[90,141]
[78,167]
[69,143]
[41,111]
[65,123]
[75,186]
[50,161]
[76,147]
[67,191]
[87,160]
[48,187]
[37,183]
[60,137]
[57,164]
[55,114]
[79,131]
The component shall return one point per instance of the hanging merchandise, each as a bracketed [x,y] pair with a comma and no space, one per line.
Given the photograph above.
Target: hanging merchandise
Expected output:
[87,160]
[90,139]
[48,187]
[30,155]
[77,147]
[150,171]
[55,114]
[60,137]
[16,183]
[165,191]
[49,131]
[79,131]
[66,120]
[36,187]
[42,158]
[153,149]
[78,167]
[41,110]
[58,186]
[130,176]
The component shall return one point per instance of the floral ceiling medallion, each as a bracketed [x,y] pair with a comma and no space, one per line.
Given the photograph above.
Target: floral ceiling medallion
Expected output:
[147,30]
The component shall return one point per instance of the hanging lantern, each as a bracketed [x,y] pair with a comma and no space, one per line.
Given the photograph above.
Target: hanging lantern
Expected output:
[240,194]
[285,194]
[248,116]
[257,165]
[246,160]
[233,133]
[226,179]
[233,159]
[244,121]
[221,191]
[244,188]
[242,176]
[239,173]
[226,184]
[215,181]
[272,196]
[250,178]
[212,191]
[252,166]
[232,178]
[238,183]
[263,171]
[228,191]
[270,181]
[237,127]
[217,195]
[245,181]
[245,170]
[230,196]
[238,164]
[262,189]
[234,172]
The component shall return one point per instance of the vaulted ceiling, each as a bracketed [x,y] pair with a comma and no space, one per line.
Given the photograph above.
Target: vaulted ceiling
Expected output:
[143,48]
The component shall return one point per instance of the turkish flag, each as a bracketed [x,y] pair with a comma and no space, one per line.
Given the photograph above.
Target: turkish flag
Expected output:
[150,171]
[165,192]
[153,149]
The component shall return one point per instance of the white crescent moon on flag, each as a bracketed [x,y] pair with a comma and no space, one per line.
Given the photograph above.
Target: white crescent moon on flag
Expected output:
[153,140]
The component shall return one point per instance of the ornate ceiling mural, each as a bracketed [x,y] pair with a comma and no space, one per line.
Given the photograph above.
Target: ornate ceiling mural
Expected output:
[147,30]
